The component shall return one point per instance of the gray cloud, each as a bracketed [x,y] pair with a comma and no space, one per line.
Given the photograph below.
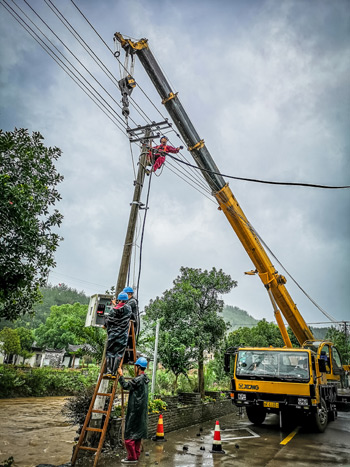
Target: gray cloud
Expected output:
[266,85]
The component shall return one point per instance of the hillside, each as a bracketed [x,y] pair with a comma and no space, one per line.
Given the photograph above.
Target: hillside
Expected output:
[237,317]
[52,295]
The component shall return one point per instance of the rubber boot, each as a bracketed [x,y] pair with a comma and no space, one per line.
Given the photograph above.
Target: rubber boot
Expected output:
[115,367]
[109,366]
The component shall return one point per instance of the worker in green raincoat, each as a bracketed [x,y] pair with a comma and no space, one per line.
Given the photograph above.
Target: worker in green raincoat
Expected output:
[137,413]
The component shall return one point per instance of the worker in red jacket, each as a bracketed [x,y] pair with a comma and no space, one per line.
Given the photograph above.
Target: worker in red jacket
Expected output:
[158,153]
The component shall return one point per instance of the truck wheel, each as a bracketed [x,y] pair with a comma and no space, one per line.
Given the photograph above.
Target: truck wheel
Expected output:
[332,414]
[256,415]
[320,418]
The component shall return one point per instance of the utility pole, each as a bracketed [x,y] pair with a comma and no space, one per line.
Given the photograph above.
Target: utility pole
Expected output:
[125,261]
[154,373]
[136,205]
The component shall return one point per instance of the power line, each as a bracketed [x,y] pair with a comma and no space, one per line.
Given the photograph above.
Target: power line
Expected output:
[88,49]
[120,63]
[185,179]
[60,63]
[79,61]
[253,230]
[310,185]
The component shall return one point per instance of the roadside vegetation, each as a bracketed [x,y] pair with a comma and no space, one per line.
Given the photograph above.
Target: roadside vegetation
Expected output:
[195,331]
[40,382]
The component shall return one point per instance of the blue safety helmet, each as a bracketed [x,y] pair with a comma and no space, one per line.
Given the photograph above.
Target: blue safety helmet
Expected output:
[128,290]
[123,297]
[141,362]
[163,137]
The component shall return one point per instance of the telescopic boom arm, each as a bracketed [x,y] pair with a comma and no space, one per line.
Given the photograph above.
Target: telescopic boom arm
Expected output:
[274,282]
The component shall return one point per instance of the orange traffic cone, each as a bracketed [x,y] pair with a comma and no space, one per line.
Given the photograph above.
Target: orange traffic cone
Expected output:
[160,431]
[217,440]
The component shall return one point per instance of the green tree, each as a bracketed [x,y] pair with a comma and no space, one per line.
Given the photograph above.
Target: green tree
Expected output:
[342,343]
[60,294]
[175,355]
[26,337]
[190,317]
[263,334]
[28,180]
[59,330]
[66,325]
[10,343]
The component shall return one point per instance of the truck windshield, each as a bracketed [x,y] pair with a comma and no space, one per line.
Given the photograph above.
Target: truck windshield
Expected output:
[276,365]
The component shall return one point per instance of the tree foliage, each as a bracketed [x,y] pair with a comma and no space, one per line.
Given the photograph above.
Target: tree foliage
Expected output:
[190,320]
[264,334]
[60,294]
[10,342]
[26,338]
[342,343]
[66,325]
[28,180]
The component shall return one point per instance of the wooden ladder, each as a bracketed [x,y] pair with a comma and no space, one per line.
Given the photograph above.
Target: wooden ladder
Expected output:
[107,413]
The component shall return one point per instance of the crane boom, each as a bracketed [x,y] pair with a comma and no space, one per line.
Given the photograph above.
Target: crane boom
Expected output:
[274,282]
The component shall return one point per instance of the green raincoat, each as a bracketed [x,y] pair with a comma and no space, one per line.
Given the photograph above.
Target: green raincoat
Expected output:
[137,413]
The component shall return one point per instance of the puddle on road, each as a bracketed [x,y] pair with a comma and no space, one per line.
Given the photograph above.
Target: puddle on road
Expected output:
[34,431]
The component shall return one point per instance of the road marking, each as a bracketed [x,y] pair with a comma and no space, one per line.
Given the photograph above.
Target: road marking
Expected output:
[251,434]
[290,436]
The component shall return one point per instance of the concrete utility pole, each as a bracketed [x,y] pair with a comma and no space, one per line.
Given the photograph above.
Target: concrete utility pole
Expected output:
[126,257]
[135,206]
[154,373]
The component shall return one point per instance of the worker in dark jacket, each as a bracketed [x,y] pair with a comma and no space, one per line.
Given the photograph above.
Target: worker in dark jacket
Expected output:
[137,412]
[158,153]
[132,302]
[117,324]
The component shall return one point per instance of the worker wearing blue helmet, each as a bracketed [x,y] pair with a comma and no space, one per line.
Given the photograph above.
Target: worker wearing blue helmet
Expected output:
[137,412]
[133,303]
[117,324]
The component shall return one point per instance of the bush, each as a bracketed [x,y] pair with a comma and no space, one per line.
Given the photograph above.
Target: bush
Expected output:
[39,382]
[76,408]
[156,406]
[208,399]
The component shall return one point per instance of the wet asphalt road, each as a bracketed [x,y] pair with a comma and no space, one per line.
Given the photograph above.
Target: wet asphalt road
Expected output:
[247,445]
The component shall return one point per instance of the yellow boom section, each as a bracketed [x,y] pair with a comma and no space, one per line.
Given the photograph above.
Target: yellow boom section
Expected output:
[268,275]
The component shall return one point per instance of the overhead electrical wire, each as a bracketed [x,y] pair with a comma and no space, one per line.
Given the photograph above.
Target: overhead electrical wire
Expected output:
[78,60]
[253,230]
[268,182]
[90,93]
[120,63]
[88,49]
[175,170]
[104,109]
[142,234]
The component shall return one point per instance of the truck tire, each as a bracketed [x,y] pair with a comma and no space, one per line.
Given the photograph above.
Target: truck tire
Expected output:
[256,415]
[319,420]
[332,413]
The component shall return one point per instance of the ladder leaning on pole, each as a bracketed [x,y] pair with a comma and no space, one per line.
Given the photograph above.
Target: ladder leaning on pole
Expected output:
[131,350]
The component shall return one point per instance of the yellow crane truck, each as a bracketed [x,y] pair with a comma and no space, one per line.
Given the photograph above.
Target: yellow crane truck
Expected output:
[301,380]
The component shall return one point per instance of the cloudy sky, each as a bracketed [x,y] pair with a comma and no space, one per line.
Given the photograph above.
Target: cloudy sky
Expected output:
[265,83]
